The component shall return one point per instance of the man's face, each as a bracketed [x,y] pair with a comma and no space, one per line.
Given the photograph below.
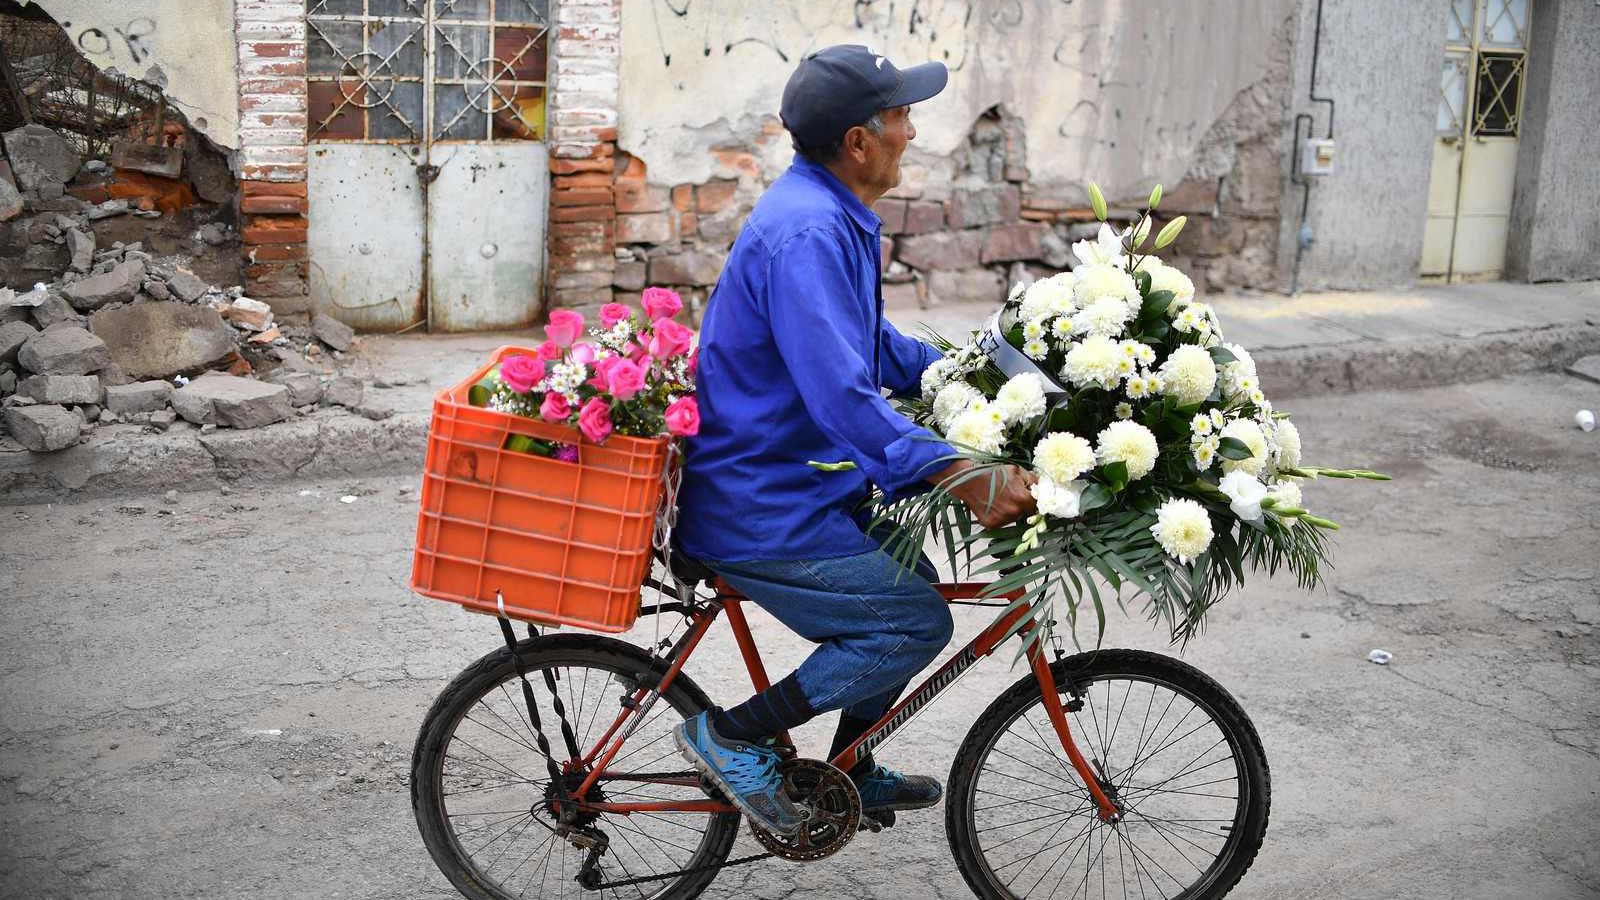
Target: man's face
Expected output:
[884,150]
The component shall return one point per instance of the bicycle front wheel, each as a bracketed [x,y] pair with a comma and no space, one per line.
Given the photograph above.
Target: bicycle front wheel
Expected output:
[482,794]
[1175,750]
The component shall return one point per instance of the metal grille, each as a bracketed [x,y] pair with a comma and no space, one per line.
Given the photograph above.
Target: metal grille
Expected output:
[1498,93]
[1481,82]
[412,71]
[1451,117]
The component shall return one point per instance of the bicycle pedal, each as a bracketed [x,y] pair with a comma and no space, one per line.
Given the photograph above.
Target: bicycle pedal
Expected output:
[877,821]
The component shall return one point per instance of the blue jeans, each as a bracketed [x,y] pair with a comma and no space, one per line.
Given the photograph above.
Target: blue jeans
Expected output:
[876,624]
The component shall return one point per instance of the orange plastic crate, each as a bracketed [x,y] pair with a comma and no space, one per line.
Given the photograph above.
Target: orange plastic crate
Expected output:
[563,543]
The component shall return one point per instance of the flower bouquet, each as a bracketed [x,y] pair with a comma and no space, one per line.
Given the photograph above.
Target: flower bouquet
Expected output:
[635,377]
[1162,467]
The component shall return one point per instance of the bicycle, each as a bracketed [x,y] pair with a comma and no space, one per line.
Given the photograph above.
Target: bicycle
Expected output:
[611,816]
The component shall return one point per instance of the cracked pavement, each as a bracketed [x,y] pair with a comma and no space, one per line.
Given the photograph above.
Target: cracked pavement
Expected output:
[216,697]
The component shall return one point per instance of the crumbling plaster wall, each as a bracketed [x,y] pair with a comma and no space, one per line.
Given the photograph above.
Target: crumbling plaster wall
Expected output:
[185,47]
[1110,90]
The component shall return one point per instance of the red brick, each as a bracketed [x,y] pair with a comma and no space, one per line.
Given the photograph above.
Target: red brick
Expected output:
[647,228]
[1009,242]
[273,205]
[715,196]
[583,180]
[273,49]
[275,271]
[738,162]
[893,214]
[283,288]
[573,166]
[923,216]
[582,197]
[273,188]
[630,166]
[683,197]
[272,84]
[578,230]
[688,223]
[276,67]
[274,172]
[269,252]
[638,197]
[275,230]
[582,214]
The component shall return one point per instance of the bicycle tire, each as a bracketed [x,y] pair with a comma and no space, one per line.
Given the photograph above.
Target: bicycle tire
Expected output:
[1253,802]
[590,652]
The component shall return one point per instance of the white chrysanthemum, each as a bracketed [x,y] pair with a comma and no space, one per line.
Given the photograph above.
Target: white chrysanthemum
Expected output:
[1147,263]
[1167,278]
[1021,399]
[1061,328]
[1189,374]
[1036,349]
[1139,387]
[1239,376]
[1200,425]
[1131,443]
[1105,316]
[1105,250]
[1059,500]
[1063,457]
[1250,433]
[1141,352]
[1183,529]
[1017,290]
[1256,397]
[1217,418]
[937,375]
[1288,445]
[954,399]
[1187,320]
[1205,451]
[1049,297]
[1091,283]
[1123,410]
[1285,494]
[1033,329]
[978,428]
[1092,361]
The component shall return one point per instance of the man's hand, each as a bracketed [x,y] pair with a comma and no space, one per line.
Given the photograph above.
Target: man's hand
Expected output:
[1009,486]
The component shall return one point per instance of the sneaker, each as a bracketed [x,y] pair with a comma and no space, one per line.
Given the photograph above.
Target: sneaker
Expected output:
[746,773]
[884,790]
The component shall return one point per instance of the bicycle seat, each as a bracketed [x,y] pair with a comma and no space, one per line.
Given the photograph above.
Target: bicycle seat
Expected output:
[690,570]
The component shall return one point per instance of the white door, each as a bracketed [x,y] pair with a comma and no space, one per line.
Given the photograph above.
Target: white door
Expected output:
[428,176]
[1475,151]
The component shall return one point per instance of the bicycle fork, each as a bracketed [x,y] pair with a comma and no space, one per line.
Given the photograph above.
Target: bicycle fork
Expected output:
[1105,806]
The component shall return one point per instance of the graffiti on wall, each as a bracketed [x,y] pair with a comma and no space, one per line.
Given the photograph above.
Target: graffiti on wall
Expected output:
[1119,89]
[126,40]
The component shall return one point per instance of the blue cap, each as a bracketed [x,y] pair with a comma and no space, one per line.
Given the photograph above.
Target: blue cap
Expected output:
[840,87]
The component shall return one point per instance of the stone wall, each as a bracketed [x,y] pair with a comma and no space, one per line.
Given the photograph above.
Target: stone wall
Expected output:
[1555,216]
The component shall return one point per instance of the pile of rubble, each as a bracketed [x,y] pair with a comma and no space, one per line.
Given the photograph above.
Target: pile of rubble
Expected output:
[122,335]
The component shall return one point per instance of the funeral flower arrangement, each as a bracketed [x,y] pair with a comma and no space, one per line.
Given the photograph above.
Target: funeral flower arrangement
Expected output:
[635,376]
[1162,466]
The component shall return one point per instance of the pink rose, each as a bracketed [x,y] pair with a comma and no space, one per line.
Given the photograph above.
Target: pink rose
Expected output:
[683,417]
[612,313]
[694,362]
[521,373]
[583,353]
[601,368]
[637,352]
[660,303]
[670,339]
[564,328]
[549,351]
[594,420]
[555,408]
[624,379]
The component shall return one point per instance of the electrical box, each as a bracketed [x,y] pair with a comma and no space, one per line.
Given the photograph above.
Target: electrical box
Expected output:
[1316,157]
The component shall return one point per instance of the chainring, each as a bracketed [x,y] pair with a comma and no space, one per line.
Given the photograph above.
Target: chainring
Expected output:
[835,807]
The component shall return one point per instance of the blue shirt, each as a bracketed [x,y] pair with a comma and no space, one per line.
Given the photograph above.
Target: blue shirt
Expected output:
[794,350]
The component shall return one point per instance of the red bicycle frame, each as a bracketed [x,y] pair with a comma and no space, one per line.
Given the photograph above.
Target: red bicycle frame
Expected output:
[729,600]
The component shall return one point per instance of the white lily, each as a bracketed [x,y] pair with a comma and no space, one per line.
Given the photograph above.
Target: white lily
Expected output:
[1245,493]
[1104,250]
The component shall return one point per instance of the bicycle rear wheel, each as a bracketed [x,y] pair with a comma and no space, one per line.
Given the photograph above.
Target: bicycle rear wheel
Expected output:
[481,789]
[1183,759]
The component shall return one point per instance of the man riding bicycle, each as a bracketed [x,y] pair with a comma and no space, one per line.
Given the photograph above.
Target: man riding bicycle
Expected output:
[794,355]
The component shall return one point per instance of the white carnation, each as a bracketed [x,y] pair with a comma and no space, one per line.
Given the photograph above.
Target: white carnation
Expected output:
[1167,278]
[1093,361]
[1059,500]
[1062,457]
[1021,398]
[1183,529]
[954,399]
[1189,374]
[1105,316]
[1049,297]
[1288,445]
[1130,443]
[978,428]
[1250,433]
[1091,283]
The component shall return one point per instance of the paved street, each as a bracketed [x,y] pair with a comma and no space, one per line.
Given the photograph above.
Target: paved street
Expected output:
[216,698]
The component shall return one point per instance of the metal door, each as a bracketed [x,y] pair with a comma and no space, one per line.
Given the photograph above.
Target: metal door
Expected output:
[1475,154]
[428,175]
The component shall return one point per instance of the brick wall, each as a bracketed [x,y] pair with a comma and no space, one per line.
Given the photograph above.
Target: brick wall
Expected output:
[585,50]
[272,150]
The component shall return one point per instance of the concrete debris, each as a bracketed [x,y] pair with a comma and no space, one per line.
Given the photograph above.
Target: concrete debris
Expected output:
[107,209]
[63,350]
[54,311]
[252,315]
[230,400]
[161,339]
[44,428]
[186,286]
[163,419]
[138,397]
[343,391]
[80,244]
[11,204]
[116,286]
[61,389]
[332,332]
[31,300]
[304,388]
[41,160]
[12,336]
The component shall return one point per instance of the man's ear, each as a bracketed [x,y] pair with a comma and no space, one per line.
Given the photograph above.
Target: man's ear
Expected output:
[855,144]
